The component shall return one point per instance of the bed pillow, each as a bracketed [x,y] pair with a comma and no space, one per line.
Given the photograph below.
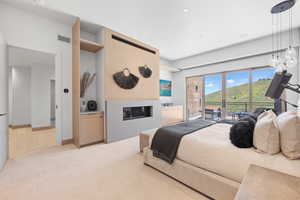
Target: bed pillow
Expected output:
[289,127]
[253,115]
[251,120]
[241,133]
[266,133]
[259,111]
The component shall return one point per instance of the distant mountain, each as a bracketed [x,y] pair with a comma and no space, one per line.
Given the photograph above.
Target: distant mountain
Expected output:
[241,93]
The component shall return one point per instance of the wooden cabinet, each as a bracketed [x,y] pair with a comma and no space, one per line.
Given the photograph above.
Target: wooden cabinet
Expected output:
[91,128]
[171,115]
[88,128]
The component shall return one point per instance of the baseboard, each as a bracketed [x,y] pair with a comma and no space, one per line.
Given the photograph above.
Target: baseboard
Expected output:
[42,128]
[68,141]
[19,126]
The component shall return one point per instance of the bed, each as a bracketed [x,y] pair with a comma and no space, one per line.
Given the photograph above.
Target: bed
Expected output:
[207,162]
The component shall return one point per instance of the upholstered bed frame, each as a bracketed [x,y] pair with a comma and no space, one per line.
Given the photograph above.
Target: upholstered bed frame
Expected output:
[208,183]
[203,181]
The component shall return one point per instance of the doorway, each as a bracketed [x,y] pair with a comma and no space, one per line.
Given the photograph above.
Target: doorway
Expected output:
[214,108]
[31,101]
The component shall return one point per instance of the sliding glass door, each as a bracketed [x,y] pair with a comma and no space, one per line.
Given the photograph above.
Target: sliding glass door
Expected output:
[213,97]
[228,95]
[237,101]
[261,79]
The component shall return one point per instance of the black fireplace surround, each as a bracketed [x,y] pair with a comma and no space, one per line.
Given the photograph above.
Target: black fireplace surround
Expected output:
[130,113]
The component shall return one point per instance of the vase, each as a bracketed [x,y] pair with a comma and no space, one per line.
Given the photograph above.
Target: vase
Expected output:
[83,105]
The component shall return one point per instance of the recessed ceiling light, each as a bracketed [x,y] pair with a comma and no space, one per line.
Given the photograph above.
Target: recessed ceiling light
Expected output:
[243,35]
[186,10]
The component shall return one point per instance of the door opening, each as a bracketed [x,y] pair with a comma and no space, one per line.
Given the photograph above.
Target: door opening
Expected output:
[31,101]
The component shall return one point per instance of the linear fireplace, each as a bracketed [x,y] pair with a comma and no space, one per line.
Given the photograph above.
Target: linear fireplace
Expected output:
[130,113]
[127,118]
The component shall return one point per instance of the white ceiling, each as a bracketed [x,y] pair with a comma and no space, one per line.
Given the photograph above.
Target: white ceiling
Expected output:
[208,25]
[18,57]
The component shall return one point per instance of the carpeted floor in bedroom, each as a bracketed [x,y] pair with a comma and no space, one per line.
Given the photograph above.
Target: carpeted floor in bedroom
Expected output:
[105,171]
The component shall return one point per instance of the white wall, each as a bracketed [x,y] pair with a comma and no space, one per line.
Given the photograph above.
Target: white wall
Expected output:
[10,94]
[40,96]
[21,96]
[88,64]
[30,96]
[246,49]
[241,56]
[27,30]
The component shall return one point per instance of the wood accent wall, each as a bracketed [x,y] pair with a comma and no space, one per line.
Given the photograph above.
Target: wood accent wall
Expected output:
[119,55]
[113,55]
[76,80]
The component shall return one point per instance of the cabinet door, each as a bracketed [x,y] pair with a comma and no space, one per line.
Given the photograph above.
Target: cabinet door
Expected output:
[91,129]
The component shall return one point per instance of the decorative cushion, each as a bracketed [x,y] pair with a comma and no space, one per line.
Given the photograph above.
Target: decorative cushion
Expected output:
[251,120]
[253,115]
[289,127]
[259,110]
[241,133]
[266,133]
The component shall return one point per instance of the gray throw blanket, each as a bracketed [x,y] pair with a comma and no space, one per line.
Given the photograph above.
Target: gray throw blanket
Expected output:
[166,140]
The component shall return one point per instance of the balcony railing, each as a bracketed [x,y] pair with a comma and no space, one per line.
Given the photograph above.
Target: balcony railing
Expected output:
[234,110]
[239,106]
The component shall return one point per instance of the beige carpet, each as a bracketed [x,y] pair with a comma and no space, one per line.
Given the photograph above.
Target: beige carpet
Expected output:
[100,172]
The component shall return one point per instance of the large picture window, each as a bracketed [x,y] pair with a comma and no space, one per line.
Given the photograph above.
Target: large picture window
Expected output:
[213,96]
[261,79]
[229,95]
[237,93]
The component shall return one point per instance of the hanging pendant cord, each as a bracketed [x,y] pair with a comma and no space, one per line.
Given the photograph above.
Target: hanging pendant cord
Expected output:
[292,36]
[280,33]
[272,35]
[277,35]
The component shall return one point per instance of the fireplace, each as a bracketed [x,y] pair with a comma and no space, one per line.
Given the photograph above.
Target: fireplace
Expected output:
[128,118]
[131,113]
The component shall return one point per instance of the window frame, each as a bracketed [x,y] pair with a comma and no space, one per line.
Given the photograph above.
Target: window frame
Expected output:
[224,87]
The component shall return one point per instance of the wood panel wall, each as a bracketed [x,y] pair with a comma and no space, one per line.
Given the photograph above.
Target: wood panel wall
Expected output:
[76,79]
[118,56]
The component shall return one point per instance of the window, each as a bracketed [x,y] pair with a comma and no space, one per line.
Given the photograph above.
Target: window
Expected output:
[213,96]
[237,92]
[228,94]
[261,79]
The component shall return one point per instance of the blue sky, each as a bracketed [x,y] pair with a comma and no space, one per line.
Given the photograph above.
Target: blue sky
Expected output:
[213,83]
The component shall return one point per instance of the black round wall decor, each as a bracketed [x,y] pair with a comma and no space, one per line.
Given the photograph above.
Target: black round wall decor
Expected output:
[125,79]
[145,71]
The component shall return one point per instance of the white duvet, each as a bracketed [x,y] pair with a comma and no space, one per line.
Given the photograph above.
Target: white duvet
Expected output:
[210,149]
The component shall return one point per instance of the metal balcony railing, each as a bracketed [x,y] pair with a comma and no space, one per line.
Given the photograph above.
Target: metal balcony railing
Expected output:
[234,110]
[239,106]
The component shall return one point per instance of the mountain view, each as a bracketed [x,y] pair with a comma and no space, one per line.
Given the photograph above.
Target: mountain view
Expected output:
[240,93]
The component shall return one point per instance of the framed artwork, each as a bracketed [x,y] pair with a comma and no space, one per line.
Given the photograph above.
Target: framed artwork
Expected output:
[165,88]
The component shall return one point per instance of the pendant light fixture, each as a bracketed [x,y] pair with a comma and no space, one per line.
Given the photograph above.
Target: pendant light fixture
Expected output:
[289,59]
